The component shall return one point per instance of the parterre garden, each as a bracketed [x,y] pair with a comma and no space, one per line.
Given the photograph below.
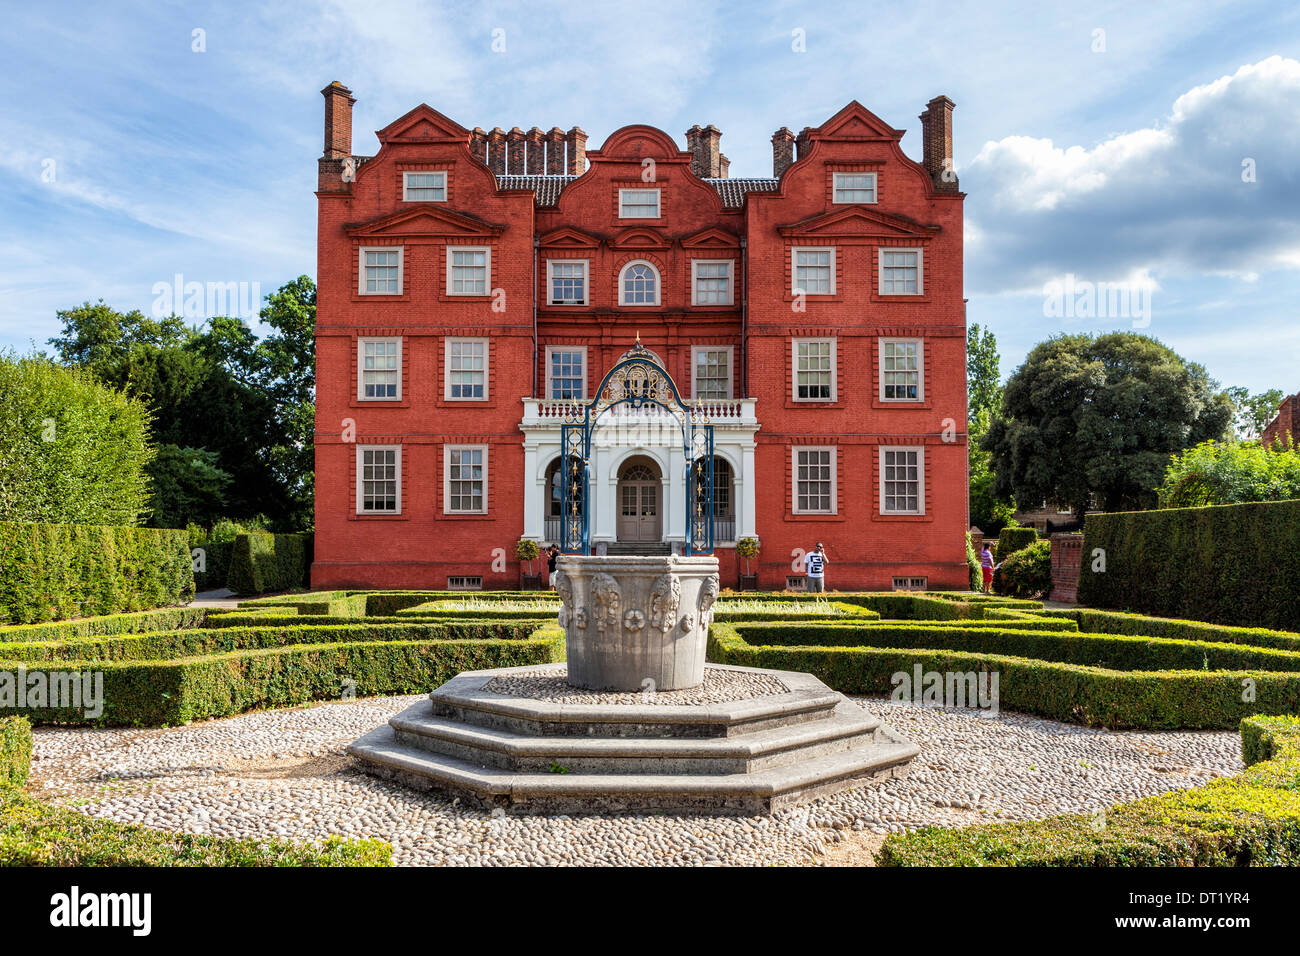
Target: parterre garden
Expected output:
[1096,668]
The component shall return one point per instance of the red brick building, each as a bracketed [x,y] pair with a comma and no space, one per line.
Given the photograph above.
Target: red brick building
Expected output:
[1284,429]
[473,284]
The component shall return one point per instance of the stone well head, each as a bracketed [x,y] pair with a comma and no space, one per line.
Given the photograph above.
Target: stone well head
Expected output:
[636,623]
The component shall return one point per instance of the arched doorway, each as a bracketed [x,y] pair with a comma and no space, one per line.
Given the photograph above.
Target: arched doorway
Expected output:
[640,504]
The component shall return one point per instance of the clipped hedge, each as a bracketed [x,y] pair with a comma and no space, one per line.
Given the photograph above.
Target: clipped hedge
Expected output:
[153,693]
[1027,572]
[1249,820]
[1095,696]
[1012,540]
[262,562]
[37,834]
[51,572]
[216,565]
[1227,564]
[15,751]
[136,622]
[1092,620]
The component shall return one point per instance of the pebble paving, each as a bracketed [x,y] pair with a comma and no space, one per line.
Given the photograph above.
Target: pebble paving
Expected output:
[719,687]
[283,773]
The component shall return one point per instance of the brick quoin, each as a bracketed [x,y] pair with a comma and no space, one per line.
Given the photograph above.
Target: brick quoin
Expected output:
[572,212]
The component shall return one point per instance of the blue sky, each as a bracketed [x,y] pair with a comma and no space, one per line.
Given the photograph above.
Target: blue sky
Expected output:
[130,157]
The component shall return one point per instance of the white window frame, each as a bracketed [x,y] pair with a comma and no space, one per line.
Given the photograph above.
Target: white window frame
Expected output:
[361,268]
[794,478]
[836,187]
[446,478]
[731,368]
[731,280]
[447,369]
[659,199]
[659,285]
[794,368]
[920,366]
[487,270]
[920,477]
[794,268]
[586,280]
[360,495]
[549,376]
[441,173]
[880,270]
[362,341]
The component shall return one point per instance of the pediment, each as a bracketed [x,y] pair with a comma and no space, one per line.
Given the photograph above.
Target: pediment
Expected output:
[640,239]
[423,124]
[856,122]
[424,220]
[712,237]
[569,236]
[859,222]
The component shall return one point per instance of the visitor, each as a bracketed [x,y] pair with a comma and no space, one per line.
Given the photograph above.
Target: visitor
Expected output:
[814,569]
[552,555]
[987,567]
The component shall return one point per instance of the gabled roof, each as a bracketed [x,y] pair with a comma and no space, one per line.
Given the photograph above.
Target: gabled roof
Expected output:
[859,221]
[423,220]
[548,188]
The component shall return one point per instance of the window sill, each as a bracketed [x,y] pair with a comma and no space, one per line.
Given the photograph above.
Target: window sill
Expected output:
[794,403]
[461,516]
[879,516]
[920,299]
[367,517]
[380,296]
[379,403]
[904,403]
[463,402]
[791,516]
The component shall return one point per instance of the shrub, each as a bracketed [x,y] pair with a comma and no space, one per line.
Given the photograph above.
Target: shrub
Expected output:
[15,751]
[50,572]
[1012,540]
[264,562]
[1249,820]
[137,622]
[747,549]
[1027,573]
[1229,564]
[36,834]
[1223,473]
[973,561]
[1119,622]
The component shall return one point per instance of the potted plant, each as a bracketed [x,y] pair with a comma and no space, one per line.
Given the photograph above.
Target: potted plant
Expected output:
[526,551]
[747,548]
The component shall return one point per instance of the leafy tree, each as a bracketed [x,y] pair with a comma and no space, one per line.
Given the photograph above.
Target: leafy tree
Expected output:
[1097,418]
[983,372]
[71,449]
[1252,413]
[290,356]
[1223,473]
[188,487]
[988,511]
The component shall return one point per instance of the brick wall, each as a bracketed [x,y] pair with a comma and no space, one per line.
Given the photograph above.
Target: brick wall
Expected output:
[1285,428]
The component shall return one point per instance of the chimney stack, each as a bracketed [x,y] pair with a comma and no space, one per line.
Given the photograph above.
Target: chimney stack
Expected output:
[515,151]
[706,155]
[536,152]
[803,144]
[577,143]
[936,144]
[338,121]
[478,144]
[555,152]
[724,168]
[782,151]
[496,141]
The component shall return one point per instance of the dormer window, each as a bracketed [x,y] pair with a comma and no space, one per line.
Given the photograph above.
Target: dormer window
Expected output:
[424,187]
[638,204]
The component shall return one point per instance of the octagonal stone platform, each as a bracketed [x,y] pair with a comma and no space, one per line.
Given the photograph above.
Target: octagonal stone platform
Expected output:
[746,756]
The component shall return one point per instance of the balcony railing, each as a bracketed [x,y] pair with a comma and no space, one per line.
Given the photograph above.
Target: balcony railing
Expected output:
[724,530]
[541,412]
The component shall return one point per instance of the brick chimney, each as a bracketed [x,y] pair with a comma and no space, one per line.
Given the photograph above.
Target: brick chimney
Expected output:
[515,151]
[338,120]
[803,143]
[534,142]
[576,140]
[711,140]
[555,152]
[724,167]
[782,151]
[695,147]
[496,141]
[478,144]
[936,143]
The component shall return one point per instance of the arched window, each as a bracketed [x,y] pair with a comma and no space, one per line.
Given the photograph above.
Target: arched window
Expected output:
[638,284]
[553,502]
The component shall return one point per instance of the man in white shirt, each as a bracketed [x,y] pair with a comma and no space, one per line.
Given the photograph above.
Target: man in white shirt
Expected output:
[814,569]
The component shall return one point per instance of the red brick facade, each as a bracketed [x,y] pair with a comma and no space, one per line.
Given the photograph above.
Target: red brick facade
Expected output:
[1284,430]
[524,222]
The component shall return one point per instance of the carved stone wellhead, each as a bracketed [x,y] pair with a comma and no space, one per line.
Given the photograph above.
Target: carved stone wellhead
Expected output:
[636,623]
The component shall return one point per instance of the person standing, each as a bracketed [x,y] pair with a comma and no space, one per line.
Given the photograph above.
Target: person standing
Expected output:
[552,556]
[987,566]
[814,569]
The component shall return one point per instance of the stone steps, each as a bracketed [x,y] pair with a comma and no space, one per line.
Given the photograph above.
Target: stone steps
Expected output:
[746,756]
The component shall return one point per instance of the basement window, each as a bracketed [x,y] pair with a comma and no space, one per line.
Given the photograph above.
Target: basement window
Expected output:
[794,584]
[465,584]
[911,584]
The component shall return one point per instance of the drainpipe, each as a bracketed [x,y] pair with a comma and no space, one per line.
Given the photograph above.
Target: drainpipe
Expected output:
[536,247]
[744,319]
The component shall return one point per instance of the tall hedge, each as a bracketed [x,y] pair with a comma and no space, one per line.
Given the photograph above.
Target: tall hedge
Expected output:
[1228,564]
[15,751]
[51,572]
[262,562]
[1012,540]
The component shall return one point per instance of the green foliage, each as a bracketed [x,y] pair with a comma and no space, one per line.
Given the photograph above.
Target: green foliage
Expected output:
[36,834]
[71,449]
[1231,564]
[1012,540]
[1027,572]
[983,372]
[989,511]
[1088,417]
[1224,473]
[50,572]
[1120,622]
[747,549]
[188,486]
[973,562]
[1252,413]
[15,751]
[137,622]
[1249,820]
[262,562]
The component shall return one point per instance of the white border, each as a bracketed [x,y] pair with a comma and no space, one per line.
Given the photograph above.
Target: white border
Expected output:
[487,278]
[880,271]
[794,368]
[794,268]
[397,460]
[446,367]
[731,281]
[794,478]
[361,372]
[731,367]
[361,268]
[659,285]
[920,368]
[424,172]
[586,281]
[875,189]
[920,477]
[659,204]
[566,348]
[446,478]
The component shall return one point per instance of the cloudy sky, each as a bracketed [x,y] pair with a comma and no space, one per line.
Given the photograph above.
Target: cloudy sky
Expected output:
[1153,145]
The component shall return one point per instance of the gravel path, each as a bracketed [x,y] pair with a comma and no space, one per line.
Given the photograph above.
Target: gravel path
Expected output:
[283,773]
[720,687]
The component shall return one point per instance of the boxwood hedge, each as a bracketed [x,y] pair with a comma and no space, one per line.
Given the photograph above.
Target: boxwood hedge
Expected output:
[15,751]
[132,623]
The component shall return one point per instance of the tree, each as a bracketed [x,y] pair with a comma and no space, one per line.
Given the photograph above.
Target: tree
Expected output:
[1089,418]
[290,354]
[1252,413]
[1223,473]
[71,449]
[189,487]
[988,511]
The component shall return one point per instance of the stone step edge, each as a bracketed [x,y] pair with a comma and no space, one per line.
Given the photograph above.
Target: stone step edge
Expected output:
[381,748]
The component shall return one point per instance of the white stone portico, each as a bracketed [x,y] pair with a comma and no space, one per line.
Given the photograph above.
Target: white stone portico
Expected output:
[647,434]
